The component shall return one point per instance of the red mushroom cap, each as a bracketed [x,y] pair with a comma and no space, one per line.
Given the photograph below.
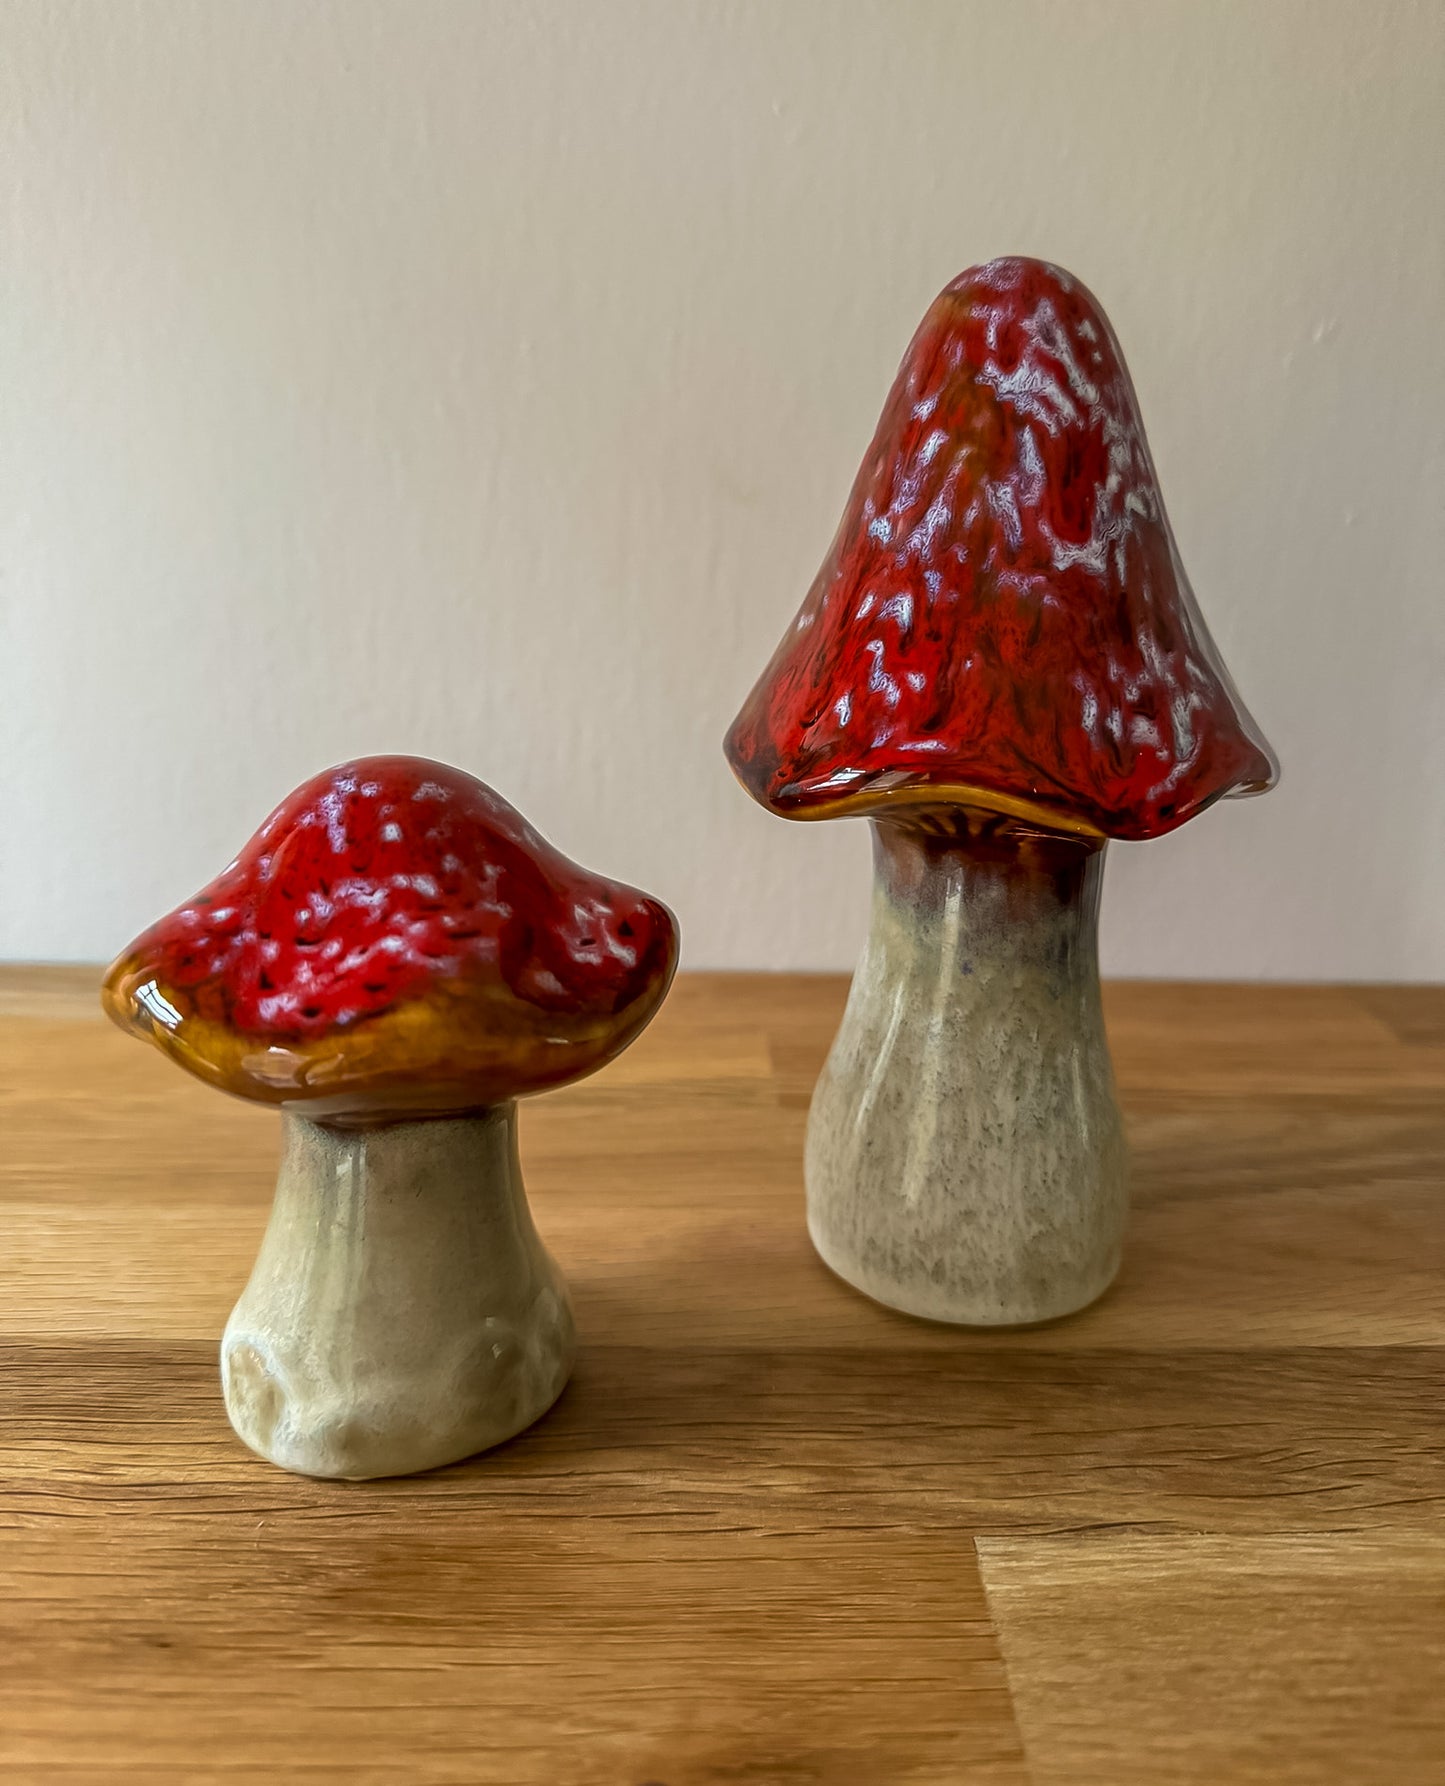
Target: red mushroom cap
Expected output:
[1002,620]
[397,940]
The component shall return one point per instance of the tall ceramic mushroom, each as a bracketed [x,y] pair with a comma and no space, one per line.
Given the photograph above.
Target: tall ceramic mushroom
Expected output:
[393,960]
[1002,665]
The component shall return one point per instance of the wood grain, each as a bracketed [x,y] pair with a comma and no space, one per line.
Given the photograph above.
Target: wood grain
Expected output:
[742,1548]
[1259,1661]
[373,1647]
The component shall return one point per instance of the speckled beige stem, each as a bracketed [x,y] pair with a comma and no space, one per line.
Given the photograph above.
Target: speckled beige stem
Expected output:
[965,1158]
[402,1312]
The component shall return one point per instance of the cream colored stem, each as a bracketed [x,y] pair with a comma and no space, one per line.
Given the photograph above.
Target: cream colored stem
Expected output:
[965,1158]
[402,1312]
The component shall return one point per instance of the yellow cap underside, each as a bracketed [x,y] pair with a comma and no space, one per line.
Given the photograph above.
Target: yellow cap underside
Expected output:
[481,1039]
[939,793]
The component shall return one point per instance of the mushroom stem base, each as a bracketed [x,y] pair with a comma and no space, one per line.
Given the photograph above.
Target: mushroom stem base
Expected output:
[965,1157]
[402,1312]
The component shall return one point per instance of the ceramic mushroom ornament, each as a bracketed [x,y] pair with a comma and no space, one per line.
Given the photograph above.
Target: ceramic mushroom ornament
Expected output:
[393,960]
[1002,665]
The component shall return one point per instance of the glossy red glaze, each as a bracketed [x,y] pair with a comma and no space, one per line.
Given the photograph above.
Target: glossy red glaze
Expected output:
[1003,608]
[380,879]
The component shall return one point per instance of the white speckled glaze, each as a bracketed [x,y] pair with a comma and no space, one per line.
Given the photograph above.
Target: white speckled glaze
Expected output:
[402,1312]
[965,1157]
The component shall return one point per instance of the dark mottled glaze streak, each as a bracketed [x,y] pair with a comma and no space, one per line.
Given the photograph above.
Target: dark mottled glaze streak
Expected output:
[1003,611]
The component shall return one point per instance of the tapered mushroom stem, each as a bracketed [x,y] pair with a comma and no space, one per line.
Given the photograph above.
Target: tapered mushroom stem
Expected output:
[402,1312]
[965,1158]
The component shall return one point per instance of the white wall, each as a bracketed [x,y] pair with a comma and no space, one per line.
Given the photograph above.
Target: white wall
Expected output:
[485,381]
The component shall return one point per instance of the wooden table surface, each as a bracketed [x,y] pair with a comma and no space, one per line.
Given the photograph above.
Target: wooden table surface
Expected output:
[772,1535]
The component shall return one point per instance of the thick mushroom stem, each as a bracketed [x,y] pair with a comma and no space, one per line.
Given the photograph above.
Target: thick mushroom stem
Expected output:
[965,1156]
[402,1312]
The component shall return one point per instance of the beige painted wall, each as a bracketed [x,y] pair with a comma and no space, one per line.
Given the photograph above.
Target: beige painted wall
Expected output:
[486,380]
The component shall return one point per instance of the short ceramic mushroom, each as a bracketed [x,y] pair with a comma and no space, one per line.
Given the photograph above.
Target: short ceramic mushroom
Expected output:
[1002,665]
[393,960]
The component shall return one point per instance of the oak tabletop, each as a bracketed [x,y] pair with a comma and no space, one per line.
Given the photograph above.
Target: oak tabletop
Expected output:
[772,1535]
